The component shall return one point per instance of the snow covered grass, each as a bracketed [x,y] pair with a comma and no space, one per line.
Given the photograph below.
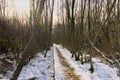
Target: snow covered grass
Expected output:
[39,67]
[102,70]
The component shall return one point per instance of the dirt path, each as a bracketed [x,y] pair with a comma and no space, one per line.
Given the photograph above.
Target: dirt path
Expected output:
[68,72]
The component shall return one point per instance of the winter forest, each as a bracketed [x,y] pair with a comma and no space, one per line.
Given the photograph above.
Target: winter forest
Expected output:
[59,39]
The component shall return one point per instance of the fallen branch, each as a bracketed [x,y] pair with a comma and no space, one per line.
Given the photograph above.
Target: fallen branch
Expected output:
[116,61]
[102,53]
[34,78]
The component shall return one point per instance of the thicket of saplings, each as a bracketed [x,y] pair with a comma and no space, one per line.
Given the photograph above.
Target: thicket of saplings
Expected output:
[14,36]
[81,43]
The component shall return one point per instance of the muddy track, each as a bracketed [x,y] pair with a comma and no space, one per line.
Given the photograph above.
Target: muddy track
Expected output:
[68,72]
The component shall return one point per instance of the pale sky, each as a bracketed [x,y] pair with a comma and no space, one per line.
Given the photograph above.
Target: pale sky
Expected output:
[22,8]
[55,12]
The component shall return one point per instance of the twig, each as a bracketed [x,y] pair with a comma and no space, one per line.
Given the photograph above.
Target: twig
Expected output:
[116,61]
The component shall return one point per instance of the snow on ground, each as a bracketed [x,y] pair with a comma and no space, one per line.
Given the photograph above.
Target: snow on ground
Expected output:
[42,68]
[58,69]
[39,67]
[102,71]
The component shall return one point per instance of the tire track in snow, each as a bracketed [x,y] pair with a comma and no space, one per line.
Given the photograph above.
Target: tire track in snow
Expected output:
[68,72]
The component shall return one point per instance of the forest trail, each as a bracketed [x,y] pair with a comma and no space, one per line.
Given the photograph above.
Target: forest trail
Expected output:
[67,71]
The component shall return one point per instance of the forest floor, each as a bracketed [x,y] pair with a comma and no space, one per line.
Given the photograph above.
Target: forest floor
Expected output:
[58,65]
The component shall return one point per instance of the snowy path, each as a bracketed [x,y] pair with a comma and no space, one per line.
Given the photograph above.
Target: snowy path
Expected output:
[67,71]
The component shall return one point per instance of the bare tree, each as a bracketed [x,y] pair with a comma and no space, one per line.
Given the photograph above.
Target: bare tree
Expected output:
[31,44]
[68,14]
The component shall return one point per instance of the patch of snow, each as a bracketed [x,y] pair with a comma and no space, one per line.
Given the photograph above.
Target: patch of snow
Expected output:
[40,67]
[102,71]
